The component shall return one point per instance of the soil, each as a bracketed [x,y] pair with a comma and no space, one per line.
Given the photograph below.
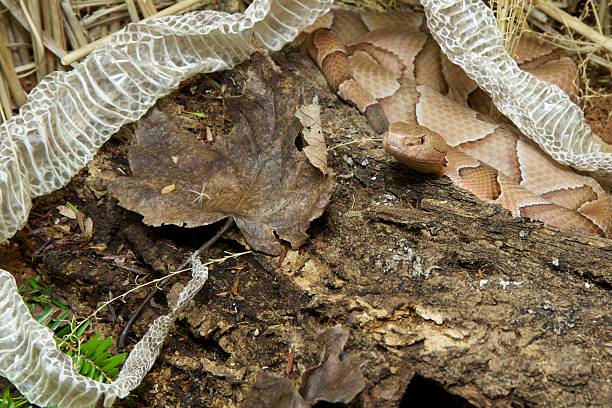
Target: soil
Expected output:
[450,302]
[599,116]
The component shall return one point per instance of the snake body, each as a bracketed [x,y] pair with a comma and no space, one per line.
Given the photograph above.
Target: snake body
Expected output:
[390,68]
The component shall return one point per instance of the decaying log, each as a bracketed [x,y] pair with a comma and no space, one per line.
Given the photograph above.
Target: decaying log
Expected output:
[447,299]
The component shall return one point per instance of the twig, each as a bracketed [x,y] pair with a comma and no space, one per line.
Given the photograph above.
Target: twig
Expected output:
[94,18]
[574,24]
[121,17]
[604,16]
[6,107]
[17,34]
[572,46]
[511,16]
[365,139]
[147,8]
[132,10]
[154,281]
[37,43]
[8,70]
[25,70]
[74,25]
[122,337]
[57,28]
[47,25]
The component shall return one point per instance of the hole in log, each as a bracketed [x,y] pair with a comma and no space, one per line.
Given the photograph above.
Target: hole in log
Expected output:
[423,392]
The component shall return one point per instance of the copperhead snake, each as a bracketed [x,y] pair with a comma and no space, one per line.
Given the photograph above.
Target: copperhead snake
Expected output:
[435,118]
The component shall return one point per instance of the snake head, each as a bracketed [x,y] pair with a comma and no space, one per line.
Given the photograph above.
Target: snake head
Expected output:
[417,147]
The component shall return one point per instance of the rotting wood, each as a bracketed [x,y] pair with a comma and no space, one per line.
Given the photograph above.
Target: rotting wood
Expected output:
[426,279]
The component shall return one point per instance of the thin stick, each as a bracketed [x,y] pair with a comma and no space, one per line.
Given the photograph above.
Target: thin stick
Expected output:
[25,70]
[604,17]
[47,25]
[57,29]
[95,3]
[153,282]
[33,7]
[74,24]
[178,8]
[8,70]
[147,8]
[132,10]
[123,336]
[18,34]
[115,26]
[100,13]
[365,139]
[6,107]
[103,31]
[121,16]
[586,51]
[33,18]
[574,24]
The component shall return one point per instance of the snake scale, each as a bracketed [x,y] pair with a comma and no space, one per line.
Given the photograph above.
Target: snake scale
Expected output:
[435,118]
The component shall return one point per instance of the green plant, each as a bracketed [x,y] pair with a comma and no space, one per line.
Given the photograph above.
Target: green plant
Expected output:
[91,356]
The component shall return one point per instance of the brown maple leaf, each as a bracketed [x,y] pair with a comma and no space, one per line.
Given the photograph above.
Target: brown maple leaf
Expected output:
[255,173]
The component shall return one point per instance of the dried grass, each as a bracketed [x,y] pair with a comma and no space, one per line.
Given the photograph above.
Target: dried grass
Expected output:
[41,36]
[511,18]
[585,34]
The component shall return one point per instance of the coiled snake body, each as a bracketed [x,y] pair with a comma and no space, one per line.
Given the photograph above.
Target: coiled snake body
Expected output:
[434,116]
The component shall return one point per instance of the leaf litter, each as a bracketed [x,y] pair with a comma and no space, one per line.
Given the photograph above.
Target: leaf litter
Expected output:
[255,173]
[336,379]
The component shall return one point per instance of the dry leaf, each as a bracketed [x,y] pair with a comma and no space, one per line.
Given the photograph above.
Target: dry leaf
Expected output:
[66,212]
[62,228]
[338,377]
[168,189]
[271,391]
[88,226]
[314,140]
[255,174]
[81,221]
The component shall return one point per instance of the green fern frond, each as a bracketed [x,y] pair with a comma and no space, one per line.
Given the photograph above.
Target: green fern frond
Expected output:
[91,356]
